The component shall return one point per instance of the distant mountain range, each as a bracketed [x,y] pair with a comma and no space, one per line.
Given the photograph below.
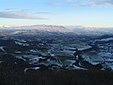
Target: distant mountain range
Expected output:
[55,28]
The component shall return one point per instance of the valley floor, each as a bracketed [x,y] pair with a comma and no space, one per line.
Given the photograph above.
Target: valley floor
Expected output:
[32,57]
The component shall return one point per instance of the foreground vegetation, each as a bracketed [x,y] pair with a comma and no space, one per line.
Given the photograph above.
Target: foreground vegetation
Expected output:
[78,77]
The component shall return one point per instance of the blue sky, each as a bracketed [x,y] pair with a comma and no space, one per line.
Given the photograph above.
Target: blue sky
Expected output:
[96,13]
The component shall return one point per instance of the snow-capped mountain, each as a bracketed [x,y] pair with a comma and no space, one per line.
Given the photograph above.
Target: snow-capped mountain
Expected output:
[91,30]
[63,29]
[48,28]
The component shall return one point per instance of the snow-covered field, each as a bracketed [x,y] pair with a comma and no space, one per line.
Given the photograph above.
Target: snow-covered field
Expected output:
[55,49]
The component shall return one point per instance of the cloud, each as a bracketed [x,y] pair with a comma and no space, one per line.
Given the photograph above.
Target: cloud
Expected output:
[86,3]
[18,15]
[99,3]
[104,3]
[43,13]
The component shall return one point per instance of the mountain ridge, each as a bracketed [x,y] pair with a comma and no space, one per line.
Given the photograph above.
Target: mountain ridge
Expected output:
[58,28]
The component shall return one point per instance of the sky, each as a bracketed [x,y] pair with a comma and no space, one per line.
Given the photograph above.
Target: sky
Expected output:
[94,13]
